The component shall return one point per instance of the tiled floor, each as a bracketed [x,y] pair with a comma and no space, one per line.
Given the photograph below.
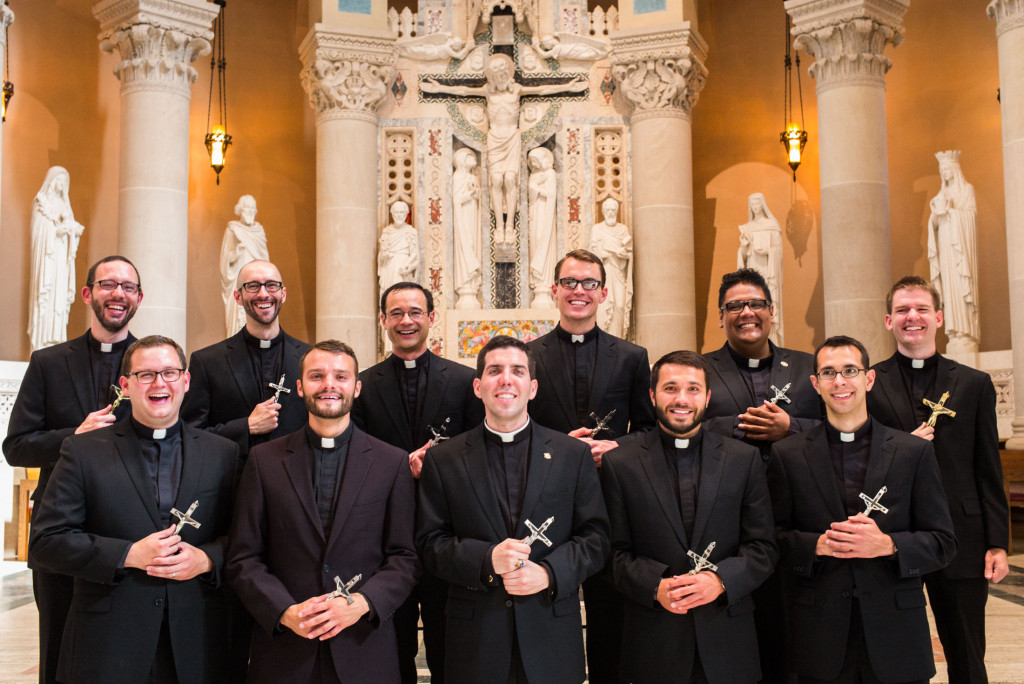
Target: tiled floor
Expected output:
[18,657]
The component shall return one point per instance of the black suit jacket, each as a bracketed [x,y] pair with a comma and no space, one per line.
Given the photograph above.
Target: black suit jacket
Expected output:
[820,590]
[967,449]
[730,396]
[379,409]
[458,524]
[100,501]
[622,381]
[279,555]
[55,397]
[649,543]
[223,391]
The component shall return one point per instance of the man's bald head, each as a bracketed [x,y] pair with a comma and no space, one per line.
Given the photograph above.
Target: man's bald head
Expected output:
[258,270]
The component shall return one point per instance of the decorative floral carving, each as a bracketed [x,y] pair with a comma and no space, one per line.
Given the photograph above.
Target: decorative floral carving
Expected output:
[660,71]
[346,75]
[1008,14]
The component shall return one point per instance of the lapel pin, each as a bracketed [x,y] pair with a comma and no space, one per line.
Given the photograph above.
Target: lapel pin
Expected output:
[785,364]
[547,456]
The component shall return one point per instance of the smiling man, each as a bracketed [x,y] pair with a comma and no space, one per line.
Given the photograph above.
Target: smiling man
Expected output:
[69,389]
[967,448]
[148,601]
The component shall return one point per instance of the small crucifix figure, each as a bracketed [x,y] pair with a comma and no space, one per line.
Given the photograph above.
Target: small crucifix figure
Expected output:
[119,396]
[538,532]
[279,386]
[185,518]
[602,423]
[702,561]
[440,434]
[780,394]
[872,504]
[343,588]
[938,409]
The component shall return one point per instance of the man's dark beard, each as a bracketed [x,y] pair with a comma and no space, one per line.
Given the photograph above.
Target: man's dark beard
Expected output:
[661,415]
[129,313]
[344,406]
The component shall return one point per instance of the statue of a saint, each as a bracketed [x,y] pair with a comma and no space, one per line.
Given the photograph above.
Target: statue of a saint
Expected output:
[503,135]
[55,236]
[570,46]
[433,47]
[466,228]
[953,253]
[398,257]
[244,241]
[541,193]
[611,241]
[761,250]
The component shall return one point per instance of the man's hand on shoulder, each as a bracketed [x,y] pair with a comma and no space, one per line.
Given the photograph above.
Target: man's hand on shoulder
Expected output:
[97,419]
[924,431]
[416,460]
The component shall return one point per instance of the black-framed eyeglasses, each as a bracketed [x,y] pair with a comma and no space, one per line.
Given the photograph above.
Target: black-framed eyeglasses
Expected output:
[110,285]
[148,377]
[416,315]
[253,286]
[588,284]
[740,304]
[849,372]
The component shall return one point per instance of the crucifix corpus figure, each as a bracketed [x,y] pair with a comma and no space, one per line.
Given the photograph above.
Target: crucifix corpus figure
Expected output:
[503,142]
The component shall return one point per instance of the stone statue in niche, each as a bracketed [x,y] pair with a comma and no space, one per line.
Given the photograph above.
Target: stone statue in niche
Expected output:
[244,241]
[466,228]
[612,241]
[55,236]
[953,253]
[761,250]
[434,47]
[569,46]
[541,193]
[504,148]
[398,257]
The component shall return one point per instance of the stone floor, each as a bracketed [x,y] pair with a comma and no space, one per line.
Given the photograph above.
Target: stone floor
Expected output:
[18,620]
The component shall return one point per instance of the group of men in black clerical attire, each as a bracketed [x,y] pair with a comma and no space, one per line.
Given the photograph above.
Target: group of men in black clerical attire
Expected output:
[269,513]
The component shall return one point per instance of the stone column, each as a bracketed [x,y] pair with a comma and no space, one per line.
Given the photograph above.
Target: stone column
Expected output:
[660,72]
[1009,18]
[347,75]
[847,38]
[157,41]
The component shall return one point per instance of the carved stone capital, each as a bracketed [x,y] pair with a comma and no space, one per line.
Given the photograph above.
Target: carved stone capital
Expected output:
[347,74]
[660,71]
[157,40]
[1008,14]
[6,19]
[847,37]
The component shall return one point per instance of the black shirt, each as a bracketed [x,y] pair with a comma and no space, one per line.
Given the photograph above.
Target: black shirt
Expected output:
[509,463]
[919,383]
[579,359]
[106,367]
[328,465]
[850,463]
[412,382]
[756,377]
[161,454]
[265,357]
[685,462]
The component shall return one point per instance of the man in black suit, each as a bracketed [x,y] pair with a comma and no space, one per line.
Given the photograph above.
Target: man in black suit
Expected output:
[677,494]
[403,399]
[861,518]
[67,390]
[233,392]
[148,603]
[581,369]
[513,609]
[323,508]
[967,448]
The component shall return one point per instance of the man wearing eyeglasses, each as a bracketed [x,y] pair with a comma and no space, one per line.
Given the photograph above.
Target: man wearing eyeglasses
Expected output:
[861,518]
[405,398]
[234,382]
[69,389]
[583,370]
[967,448]
[148,601]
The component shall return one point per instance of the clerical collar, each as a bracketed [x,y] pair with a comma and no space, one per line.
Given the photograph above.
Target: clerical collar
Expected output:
[752,364]
[506,437]
[105,347]
[566,336]
[145,432]
[917,364]
[861,433]
[670,441]
[257,343]
[328,443]
[409,364]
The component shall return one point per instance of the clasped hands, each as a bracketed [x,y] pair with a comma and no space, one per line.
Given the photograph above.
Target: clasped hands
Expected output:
[856,537]
[682,593]
[323,617]
[520,575]
[164,554]
[766,422]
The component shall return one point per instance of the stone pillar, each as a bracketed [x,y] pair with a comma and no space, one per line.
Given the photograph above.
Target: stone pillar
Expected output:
[847,38]
[157,41]
[1009,18]
[347,75]
[660,72]
[6,19]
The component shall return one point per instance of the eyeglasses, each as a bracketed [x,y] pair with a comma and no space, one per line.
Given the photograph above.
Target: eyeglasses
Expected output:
[738,305]
[253,286]
[571,283]
[110,285]
[415,315]
[148,377]
[848,373]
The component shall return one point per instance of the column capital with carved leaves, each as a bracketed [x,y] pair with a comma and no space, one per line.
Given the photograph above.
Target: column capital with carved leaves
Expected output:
[1008,15]
[346,74]
[660,71]
[6,19]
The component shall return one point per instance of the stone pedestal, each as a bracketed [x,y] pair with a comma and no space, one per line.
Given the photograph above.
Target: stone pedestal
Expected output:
[347,75]
[1009,18]
[847,39]
[157,41]
[660,72]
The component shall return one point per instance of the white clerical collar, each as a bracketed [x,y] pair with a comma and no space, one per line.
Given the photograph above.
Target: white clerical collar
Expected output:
[160,433]
[682,444]
[106,347]
[846,436]
[409,363]
[265,344]
[577,339]
[507,436]
[917,363]
[327,442]
[753,363]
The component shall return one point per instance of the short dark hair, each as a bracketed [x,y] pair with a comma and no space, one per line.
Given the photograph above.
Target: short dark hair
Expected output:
[91,275]
[149,342]
[335,347]
[501,342]
[744,276]
[912,283]
[679,358]
[843,341]
[407,285]
[581,255]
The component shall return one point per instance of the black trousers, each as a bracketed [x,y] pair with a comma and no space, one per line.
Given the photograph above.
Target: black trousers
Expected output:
[604,631]
[53,594]
[427,601]
[959,609]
